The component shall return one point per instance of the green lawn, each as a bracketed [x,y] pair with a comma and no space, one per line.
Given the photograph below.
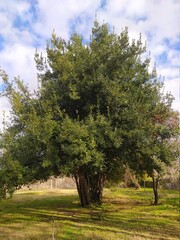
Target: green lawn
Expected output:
[124,214]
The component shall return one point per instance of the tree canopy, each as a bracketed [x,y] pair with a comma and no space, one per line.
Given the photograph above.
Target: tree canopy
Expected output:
[97,109]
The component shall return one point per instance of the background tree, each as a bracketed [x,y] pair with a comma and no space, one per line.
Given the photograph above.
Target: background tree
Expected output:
[159,148]
[170,178]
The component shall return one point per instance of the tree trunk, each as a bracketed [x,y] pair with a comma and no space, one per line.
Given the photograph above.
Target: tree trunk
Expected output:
[83,189]
[155,189]
[97,184]
[89,189]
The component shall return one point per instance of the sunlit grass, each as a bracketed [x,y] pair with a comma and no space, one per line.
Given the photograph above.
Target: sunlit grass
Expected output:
[124,214]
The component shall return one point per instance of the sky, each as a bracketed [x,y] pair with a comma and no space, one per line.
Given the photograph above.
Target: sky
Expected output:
[27,25]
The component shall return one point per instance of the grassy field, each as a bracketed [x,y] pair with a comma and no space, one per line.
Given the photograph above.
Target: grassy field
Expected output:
[124,214]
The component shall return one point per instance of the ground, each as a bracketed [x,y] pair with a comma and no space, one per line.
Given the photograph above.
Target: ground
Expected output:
[126,214]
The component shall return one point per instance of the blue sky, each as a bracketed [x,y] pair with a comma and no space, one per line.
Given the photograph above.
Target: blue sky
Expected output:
[27,24]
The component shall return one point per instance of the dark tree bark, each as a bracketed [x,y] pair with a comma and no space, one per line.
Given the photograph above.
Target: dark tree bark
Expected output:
[83,189]
[90,189]
[155,190]
[97,185]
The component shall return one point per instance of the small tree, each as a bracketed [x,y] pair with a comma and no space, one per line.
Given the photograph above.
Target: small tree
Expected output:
[161,147]
[164,145]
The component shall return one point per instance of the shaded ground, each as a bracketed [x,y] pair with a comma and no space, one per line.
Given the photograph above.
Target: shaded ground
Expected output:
[125,214]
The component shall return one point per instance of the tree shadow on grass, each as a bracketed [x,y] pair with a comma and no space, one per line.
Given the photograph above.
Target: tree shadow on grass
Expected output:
[68,216]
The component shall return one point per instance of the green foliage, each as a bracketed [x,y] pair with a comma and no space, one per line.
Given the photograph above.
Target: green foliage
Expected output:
[11,172]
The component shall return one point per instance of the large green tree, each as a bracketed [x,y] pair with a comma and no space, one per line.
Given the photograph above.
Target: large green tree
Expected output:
[91,113]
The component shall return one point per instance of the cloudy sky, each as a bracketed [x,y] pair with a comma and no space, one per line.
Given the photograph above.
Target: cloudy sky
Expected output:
[27,24]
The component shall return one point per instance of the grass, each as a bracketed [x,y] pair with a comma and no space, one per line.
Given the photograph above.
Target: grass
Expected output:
[125,214]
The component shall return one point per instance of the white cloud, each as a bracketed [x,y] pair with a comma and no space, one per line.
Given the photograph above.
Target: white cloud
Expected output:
[163,17]
[137,8]
[159,49]
[18,60]
[173,86]
[173,57]
[59,14]
[4,111]
[10,10]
